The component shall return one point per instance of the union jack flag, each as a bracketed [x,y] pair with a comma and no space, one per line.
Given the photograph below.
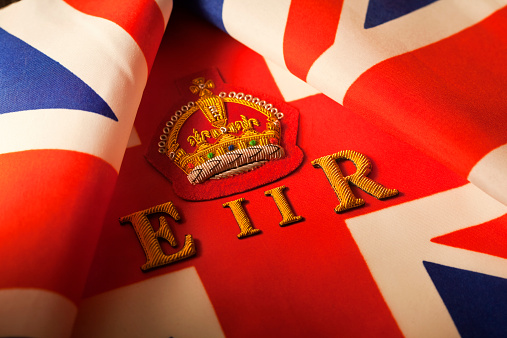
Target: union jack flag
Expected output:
[416,86]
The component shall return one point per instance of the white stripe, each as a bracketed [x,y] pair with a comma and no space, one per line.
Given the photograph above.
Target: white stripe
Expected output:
[490,174]
[357,49]
[395,241]
[98,51]
[64,129]
[291,87]
[172,305]
[259,25]
[466,260]
[35,313]
[94,49]
[166,7]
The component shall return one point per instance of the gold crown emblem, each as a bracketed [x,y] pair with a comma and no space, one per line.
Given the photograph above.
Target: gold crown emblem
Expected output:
[228,148]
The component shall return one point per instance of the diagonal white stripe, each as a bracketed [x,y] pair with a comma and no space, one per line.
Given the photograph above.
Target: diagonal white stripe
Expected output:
[259,25]
[490,175]
[395,241]
[99,52]
[357,49]
[64,129]
[171,305]
[466,260]
[96,50]
[291,87]
[35,313]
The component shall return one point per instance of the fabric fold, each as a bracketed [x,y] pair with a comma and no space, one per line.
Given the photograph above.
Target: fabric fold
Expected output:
[431,75]
[73,74]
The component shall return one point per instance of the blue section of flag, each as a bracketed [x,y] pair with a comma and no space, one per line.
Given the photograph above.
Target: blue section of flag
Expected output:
[476,302]
[211,10]
[31,80]
[381,11]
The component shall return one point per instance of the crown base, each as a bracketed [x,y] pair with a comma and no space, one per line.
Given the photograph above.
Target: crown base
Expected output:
[235,159]
[240,170]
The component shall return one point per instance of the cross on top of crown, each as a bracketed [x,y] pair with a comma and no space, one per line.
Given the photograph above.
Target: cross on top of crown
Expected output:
[201,86]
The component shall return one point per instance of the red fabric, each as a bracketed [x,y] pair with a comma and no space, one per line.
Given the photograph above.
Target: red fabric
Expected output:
[77,191]
[435,101]
[308,278]
[489,238]
[310,30]
[136,17]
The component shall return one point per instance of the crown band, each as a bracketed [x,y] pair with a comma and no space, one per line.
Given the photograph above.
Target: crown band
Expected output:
[235,159]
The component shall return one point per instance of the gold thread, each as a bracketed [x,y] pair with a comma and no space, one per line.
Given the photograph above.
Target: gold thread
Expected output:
[168,235]
[172,139]
[249,104]
[212,106]
[149,238]
[245,225]
[288,215]
[340,183]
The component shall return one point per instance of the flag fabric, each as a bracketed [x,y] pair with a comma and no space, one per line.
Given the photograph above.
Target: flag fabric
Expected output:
[386,59]
[413,88]
[71,76]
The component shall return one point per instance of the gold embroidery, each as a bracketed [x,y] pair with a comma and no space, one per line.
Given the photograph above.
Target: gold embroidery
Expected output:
[211,159]
[340,183]
[149,238]
[199,140]
[245,225]
[202,87]
[288,216]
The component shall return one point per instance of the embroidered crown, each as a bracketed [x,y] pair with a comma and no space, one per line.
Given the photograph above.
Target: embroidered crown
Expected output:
[228,148]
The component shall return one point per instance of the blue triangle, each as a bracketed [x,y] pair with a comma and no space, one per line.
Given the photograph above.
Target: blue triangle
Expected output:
[382,11]
[211,10]
[31,80]
[476,302]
